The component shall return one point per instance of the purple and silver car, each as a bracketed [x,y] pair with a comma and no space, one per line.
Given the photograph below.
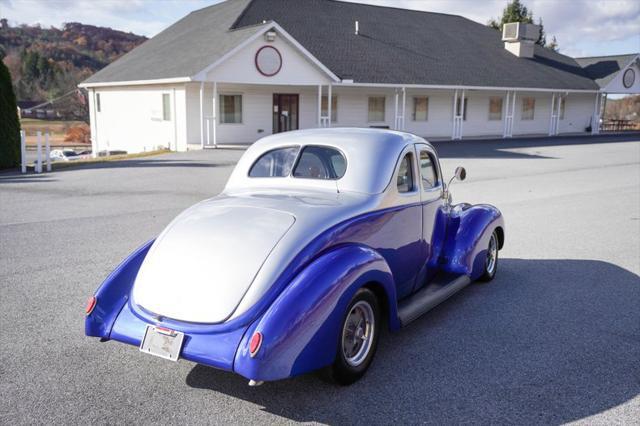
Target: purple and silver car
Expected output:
[319,239]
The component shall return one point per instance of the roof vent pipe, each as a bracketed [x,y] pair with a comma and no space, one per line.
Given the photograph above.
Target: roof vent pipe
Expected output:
[357,27]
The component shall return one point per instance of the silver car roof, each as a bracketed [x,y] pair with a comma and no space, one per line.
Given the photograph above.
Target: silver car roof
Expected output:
[371,156]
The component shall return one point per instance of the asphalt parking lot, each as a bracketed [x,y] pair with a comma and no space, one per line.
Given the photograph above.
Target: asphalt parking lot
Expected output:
[554,338]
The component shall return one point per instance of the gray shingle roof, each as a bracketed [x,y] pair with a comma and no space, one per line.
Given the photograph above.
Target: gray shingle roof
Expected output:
[412,47]
[183,49]
[604,68]
[395,46]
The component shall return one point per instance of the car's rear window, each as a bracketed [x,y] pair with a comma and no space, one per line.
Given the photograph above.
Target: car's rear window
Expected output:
[314,162]
[275,163]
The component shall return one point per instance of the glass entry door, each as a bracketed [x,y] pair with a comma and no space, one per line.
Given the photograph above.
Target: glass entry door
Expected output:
[285,112]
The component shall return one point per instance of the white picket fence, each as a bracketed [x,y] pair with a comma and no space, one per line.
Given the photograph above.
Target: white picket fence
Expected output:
[39,159]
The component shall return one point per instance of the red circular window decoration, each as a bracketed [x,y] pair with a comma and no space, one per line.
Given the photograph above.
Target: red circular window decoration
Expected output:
[268,61]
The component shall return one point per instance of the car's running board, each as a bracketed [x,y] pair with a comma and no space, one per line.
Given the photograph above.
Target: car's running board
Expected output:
[437,291]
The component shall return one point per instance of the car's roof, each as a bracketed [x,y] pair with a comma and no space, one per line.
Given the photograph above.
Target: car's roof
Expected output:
[371,156]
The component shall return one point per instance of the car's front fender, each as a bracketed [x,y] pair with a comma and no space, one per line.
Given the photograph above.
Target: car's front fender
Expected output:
[301,329]
[467,238]
[113,294]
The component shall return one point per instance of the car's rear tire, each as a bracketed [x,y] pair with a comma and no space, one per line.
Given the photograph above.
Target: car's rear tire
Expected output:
[491,262]
[358,338]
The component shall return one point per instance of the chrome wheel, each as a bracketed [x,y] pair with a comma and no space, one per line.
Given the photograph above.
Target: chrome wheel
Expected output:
[492,255]
[358,333]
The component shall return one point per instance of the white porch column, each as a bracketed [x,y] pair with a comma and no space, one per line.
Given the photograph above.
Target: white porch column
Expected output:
[404,107]
[202,114]
[561,98]
[214,113]
[458,118]
[329,106]
[395,115]
[455,110]
[513,113]
[595,122]
[505,122]
[319,105]
[552,116]
[175,120]
[463,105]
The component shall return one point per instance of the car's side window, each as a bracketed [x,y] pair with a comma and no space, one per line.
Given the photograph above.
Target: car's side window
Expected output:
[275,163]
[428,171]
[405,174]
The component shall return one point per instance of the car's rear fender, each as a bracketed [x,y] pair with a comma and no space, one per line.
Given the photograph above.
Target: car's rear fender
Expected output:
[113,294]
[468,232]
[301,329]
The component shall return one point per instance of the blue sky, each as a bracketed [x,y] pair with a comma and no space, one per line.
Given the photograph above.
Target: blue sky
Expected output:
[582,27]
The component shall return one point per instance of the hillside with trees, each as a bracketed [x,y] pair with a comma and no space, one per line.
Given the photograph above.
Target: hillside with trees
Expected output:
[46,63]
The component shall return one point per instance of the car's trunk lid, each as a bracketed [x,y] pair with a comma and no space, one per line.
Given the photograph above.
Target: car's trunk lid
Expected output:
[201,266]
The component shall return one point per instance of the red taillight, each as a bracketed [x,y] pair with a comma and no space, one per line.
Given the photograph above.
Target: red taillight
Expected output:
[91,303]
[254,344]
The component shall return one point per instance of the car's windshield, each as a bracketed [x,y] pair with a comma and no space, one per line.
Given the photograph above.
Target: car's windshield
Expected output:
[313,162]
[70,154]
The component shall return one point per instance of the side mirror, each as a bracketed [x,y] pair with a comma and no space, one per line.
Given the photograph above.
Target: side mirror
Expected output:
[461,173]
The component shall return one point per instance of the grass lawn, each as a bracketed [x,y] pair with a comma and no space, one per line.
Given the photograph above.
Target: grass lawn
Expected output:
[56,129]
[57,165]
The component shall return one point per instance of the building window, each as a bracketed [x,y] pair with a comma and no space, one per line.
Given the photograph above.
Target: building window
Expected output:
[420,108]
[334,107]
[376,109]
[528,108]
[98,109]
[460,103]
[405,174]
[495,108]
[562,102]
[166,107]
[230,109]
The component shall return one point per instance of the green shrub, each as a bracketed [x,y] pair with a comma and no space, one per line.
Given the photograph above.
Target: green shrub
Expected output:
[9,122]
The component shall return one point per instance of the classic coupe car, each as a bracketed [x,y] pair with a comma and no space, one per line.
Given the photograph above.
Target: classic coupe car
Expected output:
[319,239]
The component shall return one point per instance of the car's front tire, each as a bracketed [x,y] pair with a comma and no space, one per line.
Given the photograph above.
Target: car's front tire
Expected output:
[358,338]
[491,261]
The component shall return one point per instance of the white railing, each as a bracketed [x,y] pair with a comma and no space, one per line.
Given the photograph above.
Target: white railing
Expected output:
[210,141]
[37,167]
[325,121]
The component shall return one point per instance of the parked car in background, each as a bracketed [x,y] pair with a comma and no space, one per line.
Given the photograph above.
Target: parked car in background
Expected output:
[66,154]
[318,238]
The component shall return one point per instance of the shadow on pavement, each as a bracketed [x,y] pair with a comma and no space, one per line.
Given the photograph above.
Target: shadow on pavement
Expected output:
[143,162]
[548,341]
[11,177]
[498,148]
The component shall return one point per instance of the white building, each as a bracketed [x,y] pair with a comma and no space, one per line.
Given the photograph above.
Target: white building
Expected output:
[242,69]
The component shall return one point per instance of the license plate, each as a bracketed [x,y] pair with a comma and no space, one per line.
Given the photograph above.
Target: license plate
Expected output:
[162,342]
